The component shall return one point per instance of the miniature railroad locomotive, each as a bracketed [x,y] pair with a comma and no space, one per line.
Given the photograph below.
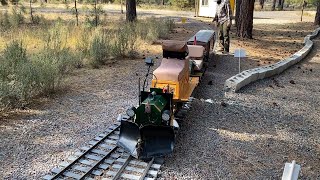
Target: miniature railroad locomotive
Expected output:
[150,130]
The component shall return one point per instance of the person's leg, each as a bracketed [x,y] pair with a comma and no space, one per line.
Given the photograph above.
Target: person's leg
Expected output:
[226,36]
[221,38]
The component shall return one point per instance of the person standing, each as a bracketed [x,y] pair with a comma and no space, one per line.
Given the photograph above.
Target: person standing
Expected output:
[223,21]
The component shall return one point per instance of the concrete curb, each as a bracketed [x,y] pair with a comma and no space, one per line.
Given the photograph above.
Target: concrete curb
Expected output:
[236,82]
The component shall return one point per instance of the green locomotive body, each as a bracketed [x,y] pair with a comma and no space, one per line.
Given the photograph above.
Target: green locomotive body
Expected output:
[157,106]
[150,129]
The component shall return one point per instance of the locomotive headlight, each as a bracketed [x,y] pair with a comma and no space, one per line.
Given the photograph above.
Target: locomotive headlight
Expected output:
[166,115]
[131,111]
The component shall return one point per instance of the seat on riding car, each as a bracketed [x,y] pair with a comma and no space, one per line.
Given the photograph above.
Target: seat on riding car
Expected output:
[196,55]
[172,69]
[174,65]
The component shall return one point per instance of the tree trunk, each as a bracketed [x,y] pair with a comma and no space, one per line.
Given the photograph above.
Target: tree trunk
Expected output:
[317,18]
[238,3]
[280,5]
[4,2]
[75,7]
[121,6]
[196,8]
[96,13]
[131,14]
[273,5]
[261,3]
[245,20]
[31,11]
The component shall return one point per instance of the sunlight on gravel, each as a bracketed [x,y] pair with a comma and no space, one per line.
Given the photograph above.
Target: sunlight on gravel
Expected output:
[249,135]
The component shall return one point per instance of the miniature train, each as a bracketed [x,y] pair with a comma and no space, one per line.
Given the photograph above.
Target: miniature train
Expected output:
[150,130]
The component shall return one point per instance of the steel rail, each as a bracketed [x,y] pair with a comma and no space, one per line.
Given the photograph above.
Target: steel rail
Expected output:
[145,172]
[83,155]
[123,167]
[98,163]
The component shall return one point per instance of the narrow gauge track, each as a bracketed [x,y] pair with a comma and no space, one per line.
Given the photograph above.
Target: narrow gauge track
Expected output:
[104,160]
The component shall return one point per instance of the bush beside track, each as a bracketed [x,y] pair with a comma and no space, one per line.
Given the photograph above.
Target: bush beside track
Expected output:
[39,56]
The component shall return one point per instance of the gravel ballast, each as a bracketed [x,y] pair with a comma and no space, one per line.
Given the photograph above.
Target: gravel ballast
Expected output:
[32,145]
[250,135]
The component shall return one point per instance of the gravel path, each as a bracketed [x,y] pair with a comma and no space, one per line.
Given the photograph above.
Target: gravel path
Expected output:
[31,146]
[250,138]
[254,132]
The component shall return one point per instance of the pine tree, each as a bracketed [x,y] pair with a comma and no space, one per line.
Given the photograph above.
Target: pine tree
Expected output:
[131,14]
[317,18]
[245,19]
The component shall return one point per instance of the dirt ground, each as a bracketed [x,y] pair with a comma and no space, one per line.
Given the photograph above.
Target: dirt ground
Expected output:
[271,41]
[251,134]
[36,139]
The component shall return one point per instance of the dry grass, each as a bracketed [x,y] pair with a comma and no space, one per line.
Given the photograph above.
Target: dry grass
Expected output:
[33,36]
[81,45]
[237,153]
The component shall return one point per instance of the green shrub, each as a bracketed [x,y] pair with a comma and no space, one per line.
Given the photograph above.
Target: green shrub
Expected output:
[15,54]
[12,20]
[83,45]
[126,35]
[4,21]
[93,17]
[52,66]
[22,78]
[124,40]
[56,37]
[152,28]
[17,17]
[37,19]
[131,29]
[16,75]
[98,50]
[120,43]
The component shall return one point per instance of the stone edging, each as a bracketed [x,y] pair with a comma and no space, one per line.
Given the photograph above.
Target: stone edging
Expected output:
[236,82]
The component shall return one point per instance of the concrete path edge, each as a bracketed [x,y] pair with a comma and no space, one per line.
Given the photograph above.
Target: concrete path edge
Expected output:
[246,77]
